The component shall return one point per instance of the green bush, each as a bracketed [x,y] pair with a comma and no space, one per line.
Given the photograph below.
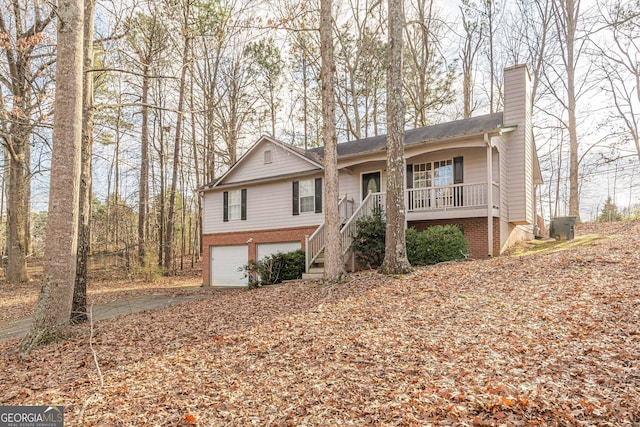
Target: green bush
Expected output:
[275,268]
[368,243]
[411,241]
[436,244]
[293,265]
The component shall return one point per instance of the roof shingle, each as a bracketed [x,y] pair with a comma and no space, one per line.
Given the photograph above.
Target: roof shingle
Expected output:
[440,131]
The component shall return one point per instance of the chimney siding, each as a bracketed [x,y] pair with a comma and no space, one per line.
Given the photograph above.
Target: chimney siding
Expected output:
[517,111]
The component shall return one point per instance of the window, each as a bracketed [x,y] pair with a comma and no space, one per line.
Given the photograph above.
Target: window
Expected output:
[235,205]
[307,196]
[422,175]
[443,173]
[436,174]
[428,179]
[268,157]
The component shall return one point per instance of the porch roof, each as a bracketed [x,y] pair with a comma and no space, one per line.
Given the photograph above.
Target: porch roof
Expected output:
[458,128]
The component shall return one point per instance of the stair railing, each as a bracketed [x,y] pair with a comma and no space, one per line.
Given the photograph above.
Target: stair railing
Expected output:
[314,244]
[350,228]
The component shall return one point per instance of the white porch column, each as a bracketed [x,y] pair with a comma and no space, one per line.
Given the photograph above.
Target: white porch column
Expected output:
[487,141]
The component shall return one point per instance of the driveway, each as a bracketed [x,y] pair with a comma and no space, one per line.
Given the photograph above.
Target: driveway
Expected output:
[19,328]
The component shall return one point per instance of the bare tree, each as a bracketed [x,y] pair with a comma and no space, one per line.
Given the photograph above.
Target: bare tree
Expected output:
[472,41]
[620,66]
[28,60]
[303,83]
[333,264]
[566,16]
[147,36]
[360,60]
[490,10]
[79,306]
[187,39]
[395,258]
[266,70]
[53,309]
[428,80]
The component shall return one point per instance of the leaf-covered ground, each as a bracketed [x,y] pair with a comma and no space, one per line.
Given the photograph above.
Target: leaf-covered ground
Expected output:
[551,338]
[19,301]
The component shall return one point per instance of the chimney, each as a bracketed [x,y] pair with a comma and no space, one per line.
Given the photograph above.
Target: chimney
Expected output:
[520,146]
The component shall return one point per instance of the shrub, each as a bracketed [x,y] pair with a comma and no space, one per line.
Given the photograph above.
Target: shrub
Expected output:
[149,268]
[275,268]
[436,244]
[368,243]
[293,265]
[411,238]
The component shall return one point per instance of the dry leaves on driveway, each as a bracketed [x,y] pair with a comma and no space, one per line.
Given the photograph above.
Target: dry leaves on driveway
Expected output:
[548,339]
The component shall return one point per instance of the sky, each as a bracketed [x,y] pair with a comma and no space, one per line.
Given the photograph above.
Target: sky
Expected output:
[616,179]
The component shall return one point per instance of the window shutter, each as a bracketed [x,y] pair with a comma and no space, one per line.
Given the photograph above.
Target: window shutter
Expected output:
[318,195]
[458,176]
[225,211]
[296,198]
[409,176]
[243,208]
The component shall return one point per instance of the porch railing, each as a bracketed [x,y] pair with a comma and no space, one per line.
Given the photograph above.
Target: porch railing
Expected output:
[447,197]
[496,194]
[417,199]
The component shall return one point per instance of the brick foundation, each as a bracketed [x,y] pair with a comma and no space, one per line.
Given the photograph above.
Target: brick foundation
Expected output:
[474,230]
[256,236]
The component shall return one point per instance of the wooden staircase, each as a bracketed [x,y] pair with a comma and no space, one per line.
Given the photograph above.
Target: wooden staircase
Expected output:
[314,246]
[316,270]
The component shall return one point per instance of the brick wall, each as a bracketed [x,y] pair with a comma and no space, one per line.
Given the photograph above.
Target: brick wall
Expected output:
[474,230]
[257,236]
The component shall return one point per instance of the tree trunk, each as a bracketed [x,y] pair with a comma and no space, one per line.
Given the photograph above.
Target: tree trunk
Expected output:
[143,191]
[16,135]
[53,310]
[567,13]
[163,189]
[395,258]
[196,167]
[574,196]
[333,263]
[79,307]
[16,207]
[168,250]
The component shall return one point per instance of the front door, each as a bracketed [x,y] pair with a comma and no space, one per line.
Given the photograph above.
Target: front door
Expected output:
[370,182]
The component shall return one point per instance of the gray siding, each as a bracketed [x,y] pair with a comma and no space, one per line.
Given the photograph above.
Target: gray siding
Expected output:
[517,111]
[283,162]
[269,206]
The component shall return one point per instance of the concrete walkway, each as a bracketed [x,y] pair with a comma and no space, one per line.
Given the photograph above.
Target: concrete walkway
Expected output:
[19,328]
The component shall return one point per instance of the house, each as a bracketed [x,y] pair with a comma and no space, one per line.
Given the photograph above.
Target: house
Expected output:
[479,173]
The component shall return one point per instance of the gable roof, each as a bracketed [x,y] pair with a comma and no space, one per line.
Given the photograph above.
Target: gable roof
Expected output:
[457,128]
[487,123]
[264,138]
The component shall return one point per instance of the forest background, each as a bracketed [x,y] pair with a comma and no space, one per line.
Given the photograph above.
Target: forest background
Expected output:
[183,87]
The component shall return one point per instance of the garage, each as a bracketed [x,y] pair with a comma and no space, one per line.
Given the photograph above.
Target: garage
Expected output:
[225,262]
[266,249]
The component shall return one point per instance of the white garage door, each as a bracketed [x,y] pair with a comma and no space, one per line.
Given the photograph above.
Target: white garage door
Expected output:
[225,261]
[266,249]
